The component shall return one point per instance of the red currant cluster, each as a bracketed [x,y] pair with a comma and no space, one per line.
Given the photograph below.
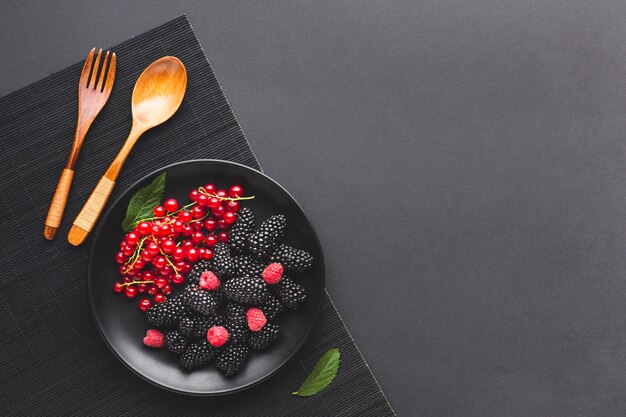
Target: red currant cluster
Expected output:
[159,250]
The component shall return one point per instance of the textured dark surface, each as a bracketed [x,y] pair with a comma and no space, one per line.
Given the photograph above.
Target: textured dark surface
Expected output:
[53,361]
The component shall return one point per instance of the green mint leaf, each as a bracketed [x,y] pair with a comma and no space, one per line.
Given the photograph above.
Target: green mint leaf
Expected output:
[322,375]
[144,201]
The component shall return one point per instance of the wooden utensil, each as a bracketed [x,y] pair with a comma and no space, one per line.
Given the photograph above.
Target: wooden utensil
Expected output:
[157,95]
[91,99]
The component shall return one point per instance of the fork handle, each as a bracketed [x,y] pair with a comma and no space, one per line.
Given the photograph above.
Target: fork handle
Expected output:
[90,212]
[55,212]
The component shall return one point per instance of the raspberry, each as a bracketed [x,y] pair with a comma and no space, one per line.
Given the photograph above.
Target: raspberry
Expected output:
[198,269]
[154,339]
[273,273]
[256,319]
[217,336]
[209,281]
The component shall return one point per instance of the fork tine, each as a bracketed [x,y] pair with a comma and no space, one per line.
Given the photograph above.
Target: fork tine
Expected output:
[84,76]
[94,72]
[111,73]
[104,68]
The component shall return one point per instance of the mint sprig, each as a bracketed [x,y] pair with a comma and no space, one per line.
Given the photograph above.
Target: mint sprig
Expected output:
[322,374]
[144,201]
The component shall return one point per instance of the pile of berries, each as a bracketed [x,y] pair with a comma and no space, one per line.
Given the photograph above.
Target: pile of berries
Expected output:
[160,250]
[231,300]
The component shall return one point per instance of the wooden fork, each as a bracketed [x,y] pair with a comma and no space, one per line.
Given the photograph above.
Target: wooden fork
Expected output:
[91,99]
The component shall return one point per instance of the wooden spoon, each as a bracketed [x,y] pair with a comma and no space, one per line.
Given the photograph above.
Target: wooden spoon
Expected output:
[157,95]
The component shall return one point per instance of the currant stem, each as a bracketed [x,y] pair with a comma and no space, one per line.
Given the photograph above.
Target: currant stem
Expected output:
[126,284]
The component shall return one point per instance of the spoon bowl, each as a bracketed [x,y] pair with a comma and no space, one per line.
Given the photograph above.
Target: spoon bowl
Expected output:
[159,91]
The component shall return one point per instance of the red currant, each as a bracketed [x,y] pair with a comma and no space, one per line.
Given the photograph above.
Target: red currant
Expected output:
[192,254]
[159,211]
[197,212]
[167,290]
[230,217]
[171,205]
[165,229]
[159,298]
[178,279]
[210,188]
[118,287]
[168,246]
[160,282]
[131,239]
[208,254]
[177,226]
[210,240]
[219,211]
[130,292]
[235,191]
[221,193]
[193,195]
[159,262]
[202,200]
[222,224]
[179,254]
[139,264]
[120,258]
[187,244]
[144,228]
[147,275]
[128,251]
[186,269]
[127,279]
[145,304]
[187,230]
[142,288]
[210,224]
[185,216]
[223,237]
[153,289]
[197,238]
[146,256]
[166,271]
[233,206]
[152,248]
[214,203]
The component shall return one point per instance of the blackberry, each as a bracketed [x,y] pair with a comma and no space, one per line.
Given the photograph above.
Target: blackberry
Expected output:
[272,307]
[222,261]
[290,293]
[244,290]
[236,324]
[262,242]
[186,326]
[197,354]
[198,269]
[167,313]
[201,301]
[247,266]
[231,360]
[241,230]
[175,342]
[292,259]
[266,336]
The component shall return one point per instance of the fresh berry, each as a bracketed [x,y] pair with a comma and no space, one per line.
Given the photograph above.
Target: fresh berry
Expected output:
[217,336]
[171,205]
[130,292]
[247,266]
[178,279]
[145,304]
[264,338]
[290,293]
[232,359]
[272,308]
[118,287]
[273,273]
[222,237]
[253,291]
[292,259]
[235,191]
[197,354]
[167,313]
[256,319]
[186,326]
[236,324]
[201,301]
[262,242]
[222,260]
[209,281]
[242,229]
[154,339]
[159,211]
[175,342]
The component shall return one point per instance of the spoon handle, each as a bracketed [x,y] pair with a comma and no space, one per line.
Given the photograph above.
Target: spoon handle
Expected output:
[89,214]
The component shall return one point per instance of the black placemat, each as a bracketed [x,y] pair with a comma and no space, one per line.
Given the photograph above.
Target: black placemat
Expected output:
[53,361]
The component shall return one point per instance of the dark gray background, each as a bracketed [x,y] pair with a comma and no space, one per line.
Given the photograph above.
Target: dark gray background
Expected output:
[463,161]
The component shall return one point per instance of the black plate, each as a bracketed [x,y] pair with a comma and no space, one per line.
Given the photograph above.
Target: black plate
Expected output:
[123,326]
